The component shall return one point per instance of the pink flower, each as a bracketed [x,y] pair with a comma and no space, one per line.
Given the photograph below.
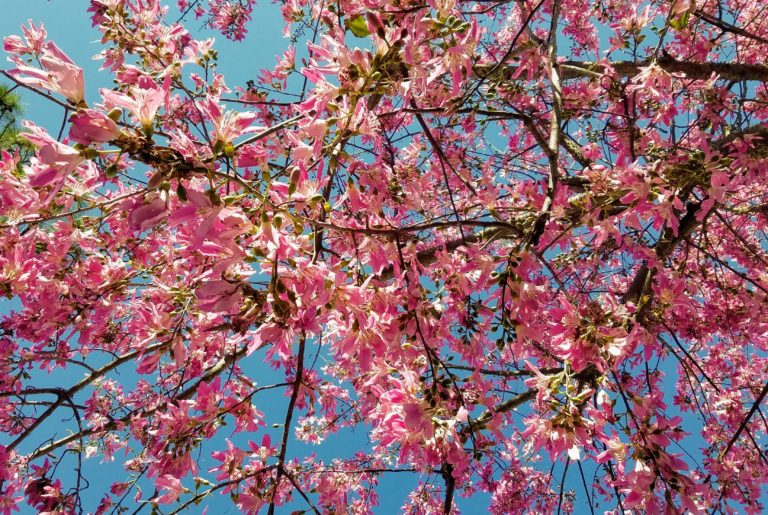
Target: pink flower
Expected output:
[174,487]
[89,126]
[34,36]
[14,193]
[720,184]
[9,504]
[54,160]
[149,212]
[58,74]
[230,17]
[142,103]
[250,503]
[218,295]
[227,126]
[231,462]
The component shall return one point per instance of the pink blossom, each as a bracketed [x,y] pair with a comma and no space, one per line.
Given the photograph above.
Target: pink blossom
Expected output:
[231,462]
[148,211]
[229,125]
[230,17]
[142,103]
[172,485]
[53,160]
[34,38]
[90,126]
[219,295]
[58,74]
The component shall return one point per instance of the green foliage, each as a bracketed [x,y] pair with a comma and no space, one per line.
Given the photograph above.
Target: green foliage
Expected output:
[10,114]
[358,26]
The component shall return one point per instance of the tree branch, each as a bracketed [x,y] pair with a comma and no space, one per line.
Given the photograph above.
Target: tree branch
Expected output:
[287,423]
[552,148]
[114,424]
[737,72]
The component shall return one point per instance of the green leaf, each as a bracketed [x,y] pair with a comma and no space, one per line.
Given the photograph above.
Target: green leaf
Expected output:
[358,26]
[681,22]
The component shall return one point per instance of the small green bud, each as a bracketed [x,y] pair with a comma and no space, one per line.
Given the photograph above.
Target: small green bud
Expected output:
[294,181]
[90,153]
[115,114]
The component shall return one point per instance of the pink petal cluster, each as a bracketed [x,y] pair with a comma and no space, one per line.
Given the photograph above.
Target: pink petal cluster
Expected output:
[57,72]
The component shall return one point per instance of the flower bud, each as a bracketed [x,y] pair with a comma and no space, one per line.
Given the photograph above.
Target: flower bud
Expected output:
[294,181]
[90,153]
[115,114]
[155,180]
[374,22]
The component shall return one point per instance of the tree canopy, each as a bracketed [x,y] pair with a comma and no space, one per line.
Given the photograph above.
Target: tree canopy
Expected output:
[513,250]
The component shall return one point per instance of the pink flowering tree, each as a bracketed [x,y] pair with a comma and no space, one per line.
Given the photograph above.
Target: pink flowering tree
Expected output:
[517,248]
